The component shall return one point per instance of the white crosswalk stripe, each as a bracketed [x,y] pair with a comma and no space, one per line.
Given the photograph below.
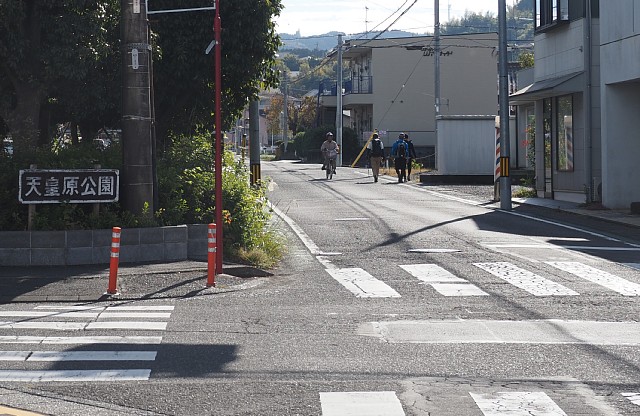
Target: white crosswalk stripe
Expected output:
[633,397]
[493,403]
[600,277]
[517,404]
[361,403]
[81,318]
[443,281]
[362,284]
[526,280]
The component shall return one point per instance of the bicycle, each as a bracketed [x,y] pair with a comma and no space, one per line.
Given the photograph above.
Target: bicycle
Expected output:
[331,162]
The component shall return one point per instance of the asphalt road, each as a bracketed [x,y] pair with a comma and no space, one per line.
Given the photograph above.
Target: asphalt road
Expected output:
[393,299]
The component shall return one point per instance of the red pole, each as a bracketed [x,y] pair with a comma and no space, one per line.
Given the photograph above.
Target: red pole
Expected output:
[113,263]
[217,29]
[211,255]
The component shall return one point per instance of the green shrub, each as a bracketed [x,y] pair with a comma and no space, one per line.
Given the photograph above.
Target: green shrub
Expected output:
[186,190]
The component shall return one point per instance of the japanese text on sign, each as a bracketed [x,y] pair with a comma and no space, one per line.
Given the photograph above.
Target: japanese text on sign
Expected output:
[39,186]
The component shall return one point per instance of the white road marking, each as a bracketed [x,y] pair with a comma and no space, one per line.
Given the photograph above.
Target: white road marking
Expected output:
[78,326]
[109,308]
[606,248]
[362,284]
[58,326]
[433,250]
[74,375]
[600,277]
[107,314]
[150,315]
[152,326]
[93,356]
[517,404]
[526,280]
[546,332]
[77,355]
[431,273]
[14,355]
[353,219]
[79,340]
[458,289]
[633,397]
[36,314]
[443,281]
[366,403]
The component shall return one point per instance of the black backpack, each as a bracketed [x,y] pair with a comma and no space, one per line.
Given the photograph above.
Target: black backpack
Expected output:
[376,148]
[402,150]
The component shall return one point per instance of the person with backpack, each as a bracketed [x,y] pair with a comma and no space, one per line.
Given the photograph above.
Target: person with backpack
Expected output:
[376,155]
[399,152]
[411,154]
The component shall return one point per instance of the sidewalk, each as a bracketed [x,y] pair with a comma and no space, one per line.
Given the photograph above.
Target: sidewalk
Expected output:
[135,281]
[615,216]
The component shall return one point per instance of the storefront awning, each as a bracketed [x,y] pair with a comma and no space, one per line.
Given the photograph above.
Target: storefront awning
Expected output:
[548,88]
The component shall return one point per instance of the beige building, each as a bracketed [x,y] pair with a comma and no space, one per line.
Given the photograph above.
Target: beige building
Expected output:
[389,84]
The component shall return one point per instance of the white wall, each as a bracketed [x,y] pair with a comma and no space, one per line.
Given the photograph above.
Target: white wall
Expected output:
[466,145]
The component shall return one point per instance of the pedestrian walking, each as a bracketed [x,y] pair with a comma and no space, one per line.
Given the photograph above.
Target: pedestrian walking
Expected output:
[411,154]
[376,155]
[399,152]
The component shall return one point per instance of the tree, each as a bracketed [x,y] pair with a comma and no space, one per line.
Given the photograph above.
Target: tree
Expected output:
[274,121]
[63,56]
[184,75]
[51,53]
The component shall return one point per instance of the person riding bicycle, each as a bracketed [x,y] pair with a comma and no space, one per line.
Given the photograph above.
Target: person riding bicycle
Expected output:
[330,150]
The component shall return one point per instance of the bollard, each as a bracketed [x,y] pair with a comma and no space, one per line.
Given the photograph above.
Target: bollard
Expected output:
[211,255]
[113,263]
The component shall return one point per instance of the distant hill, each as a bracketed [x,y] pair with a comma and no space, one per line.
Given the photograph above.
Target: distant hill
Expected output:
[328,41]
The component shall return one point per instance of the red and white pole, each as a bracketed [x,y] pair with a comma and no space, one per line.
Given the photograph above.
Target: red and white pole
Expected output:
[115,258]
[211,255]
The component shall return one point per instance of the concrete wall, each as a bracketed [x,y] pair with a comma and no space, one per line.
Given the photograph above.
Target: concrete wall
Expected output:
[60,248]
[466,145]
[559,52]
[620,93]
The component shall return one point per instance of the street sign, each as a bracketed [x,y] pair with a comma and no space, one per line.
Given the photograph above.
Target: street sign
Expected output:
[54,186]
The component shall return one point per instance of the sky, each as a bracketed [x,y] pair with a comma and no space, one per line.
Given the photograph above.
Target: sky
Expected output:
[316,17]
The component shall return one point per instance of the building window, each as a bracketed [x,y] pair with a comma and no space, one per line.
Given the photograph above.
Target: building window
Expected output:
[564,135]
[550,13]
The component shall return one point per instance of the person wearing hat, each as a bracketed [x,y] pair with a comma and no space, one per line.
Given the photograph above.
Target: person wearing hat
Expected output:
[376,155]
[329,149]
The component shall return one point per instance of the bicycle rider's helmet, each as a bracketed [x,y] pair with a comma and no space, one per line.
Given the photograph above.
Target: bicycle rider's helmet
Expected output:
[329,134]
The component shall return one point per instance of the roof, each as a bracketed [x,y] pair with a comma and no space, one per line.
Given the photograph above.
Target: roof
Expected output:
[566,84]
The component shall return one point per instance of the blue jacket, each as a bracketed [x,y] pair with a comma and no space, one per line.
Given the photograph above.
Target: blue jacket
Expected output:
[394,148]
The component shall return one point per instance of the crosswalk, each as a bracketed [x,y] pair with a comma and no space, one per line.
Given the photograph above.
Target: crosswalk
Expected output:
[387,403]
[362,284]
[92,351]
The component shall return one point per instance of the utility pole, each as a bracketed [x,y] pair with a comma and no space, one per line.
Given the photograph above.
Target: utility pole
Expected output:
[285,110]
[137,143]
[436,69]
[254,141]
[339,101]
[505,180]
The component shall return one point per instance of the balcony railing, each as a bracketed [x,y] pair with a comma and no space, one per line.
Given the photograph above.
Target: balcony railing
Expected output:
[357,85]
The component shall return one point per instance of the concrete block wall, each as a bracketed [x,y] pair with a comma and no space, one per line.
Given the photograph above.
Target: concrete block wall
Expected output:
[137,245]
